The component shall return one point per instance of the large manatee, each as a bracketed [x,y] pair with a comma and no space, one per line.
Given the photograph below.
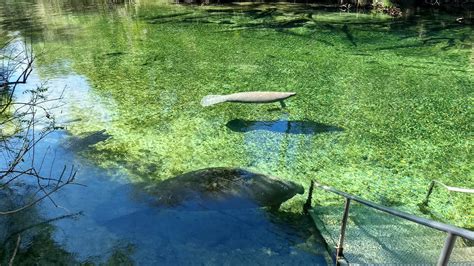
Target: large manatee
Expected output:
[213,188]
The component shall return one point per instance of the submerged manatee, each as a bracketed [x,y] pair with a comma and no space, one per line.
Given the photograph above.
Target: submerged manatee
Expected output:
[215,188]
[248,97]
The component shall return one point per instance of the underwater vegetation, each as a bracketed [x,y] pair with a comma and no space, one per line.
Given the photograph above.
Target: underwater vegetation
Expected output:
[382,105]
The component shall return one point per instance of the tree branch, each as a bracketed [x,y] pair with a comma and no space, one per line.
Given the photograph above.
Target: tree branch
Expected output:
[10,263]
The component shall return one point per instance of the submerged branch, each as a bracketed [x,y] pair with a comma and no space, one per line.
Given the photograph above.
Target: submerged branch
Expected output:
[17,246]
[24,229]
[47,194]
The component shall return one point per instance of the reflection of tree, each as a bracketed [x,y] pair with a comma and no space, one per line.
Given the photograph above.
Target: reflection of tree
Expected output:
[38,246]
[15,17]
[23,123]
[34,231]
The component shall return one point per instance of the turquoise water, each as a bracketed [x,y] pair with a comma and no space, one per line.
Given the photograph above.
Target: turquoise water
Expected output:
[382,108]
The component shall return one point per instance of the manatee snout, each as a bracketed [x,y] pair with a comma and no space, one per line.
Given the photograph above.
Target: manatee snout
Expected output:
[297,188]
[278,191]
[293,188]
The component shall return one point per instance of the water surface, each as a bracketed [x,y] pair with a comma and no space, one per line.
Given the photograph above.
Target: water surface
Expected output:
[382,107]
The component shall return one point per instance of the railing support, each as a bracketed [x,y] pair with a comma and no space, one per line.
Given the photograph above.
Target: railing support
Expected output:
[340,244]
[430,190]
[447,249]
[307,204]
[453,231]
[448,188]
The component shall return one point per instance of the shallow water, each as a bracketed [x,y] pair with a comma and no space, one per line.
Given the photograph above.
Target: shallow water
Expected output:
[382,107]
[111,220]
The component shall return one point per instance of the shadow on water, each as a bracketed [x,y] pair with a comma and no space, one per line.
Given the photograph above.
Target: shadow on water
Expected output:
[282,126]
[190,220]
[164,18]
[264,17]
[237,237]
[348,34]
[85,140]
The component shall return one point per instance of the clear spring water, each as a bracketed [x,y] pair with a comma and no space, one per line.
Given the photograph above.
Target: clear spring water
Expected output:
[382,108]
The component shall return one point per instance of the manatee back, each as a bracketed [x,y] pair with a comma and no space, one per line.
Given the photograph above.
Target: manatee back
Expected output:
[224,188]
[259,96]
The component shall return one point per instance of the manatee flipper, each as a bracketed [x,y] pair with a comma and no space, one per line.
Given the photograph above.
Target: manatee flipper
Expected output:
[213,99]
[282,104]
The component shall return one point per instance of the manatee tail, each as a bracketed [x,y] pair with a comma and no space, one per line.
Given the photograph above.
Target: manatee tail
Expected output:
[213,99]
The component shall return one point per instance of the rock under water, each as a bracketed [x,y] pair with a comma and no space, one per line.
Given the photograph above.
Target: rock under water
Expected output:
[223,188]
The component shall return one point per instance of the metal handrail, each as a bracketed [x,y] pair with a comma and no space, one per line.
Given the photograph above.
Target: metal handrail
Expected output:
[420,220]
[427,222]
[453,231]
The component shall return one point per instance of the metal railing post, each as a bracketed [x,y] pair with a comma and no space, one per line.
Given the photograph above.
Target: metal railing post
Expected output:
[448,188]
[430,190]
[340,244]
[447,249]
[453,231]
[307,204]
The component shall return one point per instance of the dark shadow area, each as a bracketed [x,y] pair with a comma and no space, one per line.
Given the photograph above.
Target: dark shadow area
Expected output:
[393,7]
[282,126]
[265,17]
[112,54]
[85,140]
[349,35]
[13,17]
[237,237]
[164,18]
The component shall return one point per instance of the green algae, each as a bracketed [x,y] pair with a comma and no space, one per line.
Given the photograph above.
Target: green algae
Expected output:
[400,90]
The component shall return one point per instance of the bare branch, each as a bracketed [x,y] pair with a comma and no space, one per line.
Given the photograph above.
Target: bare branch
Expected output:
[47,194]
[72,215]
[18,240]
[18,147]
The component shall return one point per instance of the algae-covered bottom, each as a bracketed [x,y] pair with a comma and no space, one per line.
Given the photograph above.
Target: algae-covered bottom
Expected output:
[383,105]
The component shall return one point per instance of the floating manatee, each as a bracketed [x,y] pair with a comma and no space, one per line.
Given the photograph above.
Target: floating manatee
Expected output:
[223,188]
[248,97]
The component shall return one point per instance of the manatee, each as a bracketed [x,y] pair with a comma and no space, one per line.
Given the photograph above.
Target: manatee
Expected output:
[223,188]
[248,97]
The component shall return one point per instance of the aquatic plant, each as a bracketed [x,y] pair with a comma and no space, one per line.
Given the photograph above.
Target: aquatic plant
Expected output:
[397,89]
